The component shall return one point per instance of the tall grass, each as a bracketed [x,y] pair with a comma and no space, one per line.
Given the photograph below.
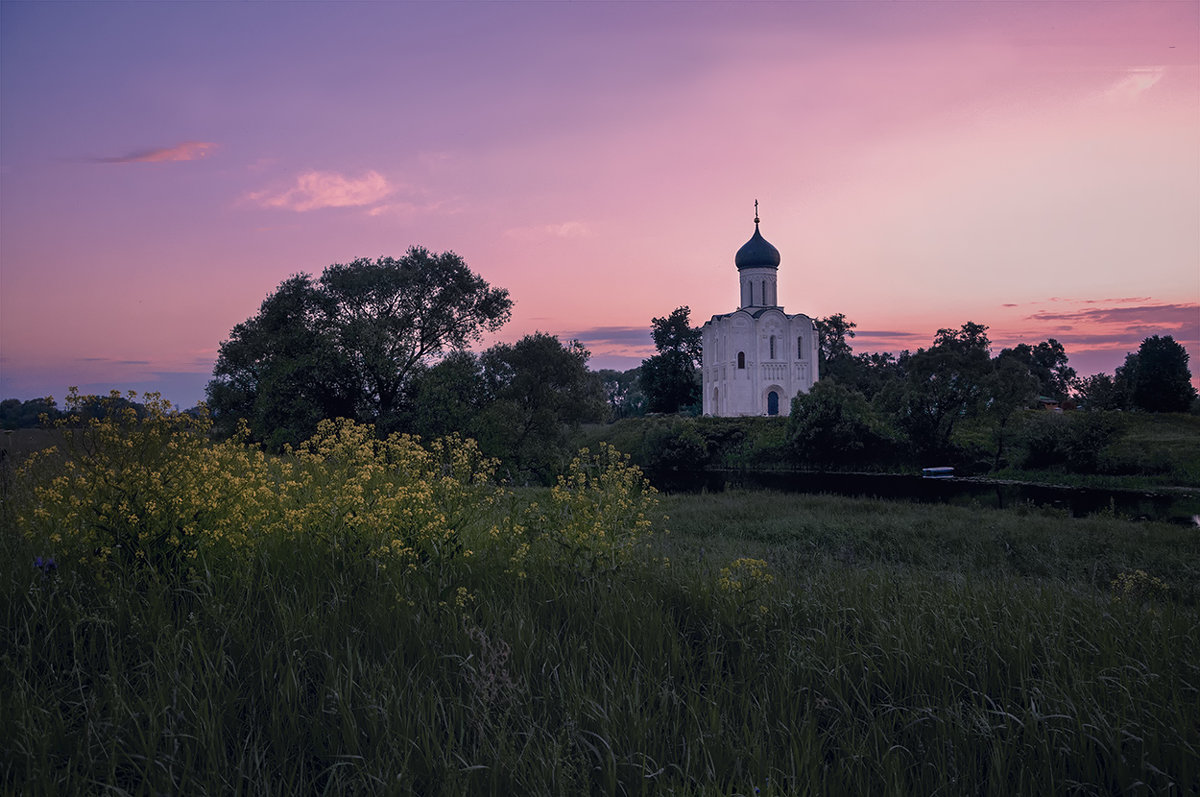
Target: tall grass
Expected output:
[295,674]
[769,644]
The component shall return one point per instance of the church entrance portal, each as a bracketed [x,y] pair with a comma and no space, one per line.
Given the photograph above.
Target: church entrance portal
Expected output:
[772,403]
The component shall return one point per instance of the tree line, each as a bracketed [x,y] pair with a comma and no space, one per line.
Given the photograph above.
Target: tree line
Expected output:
[929,389]
[881,408]
[386,342]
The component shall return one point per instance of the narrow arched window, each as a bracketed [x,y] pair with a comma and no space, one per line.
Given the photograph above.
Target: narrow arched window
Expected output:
[741,359]
[764,291]
[772,347]
[799,347]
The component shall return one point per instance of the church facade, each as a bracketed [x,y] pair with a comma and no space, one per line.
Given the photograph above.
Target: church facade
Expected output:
[757,358]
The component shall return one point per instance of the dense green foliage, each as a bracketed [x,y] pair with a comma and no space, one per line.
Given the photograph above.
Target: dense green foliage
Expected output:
[919,399]
[834,334]
[793,645]
[1047,363]
[343,345]
[833,426]
[518,400]
[1104,449]
[1156,378]
[17,414]
[691,444]
[534,390]
[623,392]
[926,393]
[670,380]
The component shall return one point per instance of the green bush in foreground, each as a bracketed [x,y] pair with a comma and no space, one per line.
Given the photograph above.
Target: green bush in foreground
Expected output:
[788,646]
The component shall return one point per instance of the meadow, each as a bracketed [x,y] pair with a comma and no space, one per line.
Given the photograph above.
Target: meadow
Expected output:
[381,616]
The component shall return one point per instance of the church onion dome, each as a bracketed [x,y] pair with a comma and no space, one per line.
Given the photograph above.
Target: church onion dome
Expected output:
[756,253]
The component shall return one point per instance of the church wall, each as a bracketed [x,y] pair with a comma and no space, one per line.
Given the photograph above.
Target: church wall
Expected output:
[732,391]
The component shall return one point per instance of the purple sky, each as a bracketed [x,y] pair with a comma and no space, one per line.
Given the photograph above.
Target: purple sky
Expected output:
[1030,166]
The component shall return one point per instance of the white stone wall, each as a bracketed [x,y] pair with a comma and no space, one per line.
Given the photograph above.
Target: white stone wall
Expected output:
[758,287]
[730,390]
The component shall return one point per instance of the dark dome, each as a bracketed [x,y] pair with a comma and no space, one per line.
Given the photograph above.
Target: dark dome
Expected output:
[756,253]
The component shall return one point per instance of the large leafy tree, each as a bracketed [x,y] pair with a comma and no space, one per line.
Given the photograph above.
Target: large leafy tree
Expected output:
[833,340]
[279,369]
[345,344]
[622,390]
[670,379]
[1099,392]
[1157,378]
[1047,361]
[534,391]
[943,384]
[447,397]
[1010,386]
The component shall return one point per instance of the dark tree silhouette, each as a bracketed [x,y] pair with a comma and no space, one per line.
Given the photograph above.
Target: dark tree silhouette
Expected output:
[1157,377]
[345,344]
[1048,362]
[535,390]
[670,379]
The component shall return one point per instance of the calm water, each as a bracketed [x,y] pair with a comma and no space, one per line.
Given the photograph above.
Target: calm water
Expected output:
[1166,506]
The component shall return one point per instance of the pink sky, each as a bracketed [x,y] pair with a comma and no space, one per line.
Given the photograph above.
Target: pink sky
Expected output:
[1030,166]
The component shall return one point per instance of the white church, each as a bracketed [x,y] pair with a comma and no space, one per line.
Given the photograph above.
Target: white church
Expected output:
[758,357]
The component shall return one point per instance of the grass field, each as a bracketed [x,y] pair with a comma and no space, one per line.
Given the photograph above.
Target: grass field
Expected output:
[766,644]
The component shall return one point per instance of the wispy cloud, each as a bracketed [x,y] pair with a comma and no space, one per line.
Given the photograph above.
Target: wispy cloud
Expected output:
[1127,300]
[409,207]
[397,208]
[187,151]
[1137,80]
[313,190]
[1154,315]
[566,229]
[632,337]
[613,347]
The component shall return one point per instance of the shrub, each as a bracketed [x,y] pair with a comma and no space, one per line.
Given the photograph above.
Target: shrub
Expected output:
[675,445]
[150,489]
[1076,441]
[1139,586]
[143,488]
[390,499]
[593,519]
[835,426]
